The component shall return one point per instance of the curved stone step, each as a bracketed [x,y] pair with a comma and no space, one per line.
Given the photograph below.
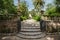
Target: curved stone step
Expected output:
[30,27]
[30,33]
[31,37]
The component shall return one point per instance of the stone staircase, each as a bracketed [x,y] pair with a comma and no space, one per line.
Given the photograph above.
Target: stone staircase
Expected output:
[30,31]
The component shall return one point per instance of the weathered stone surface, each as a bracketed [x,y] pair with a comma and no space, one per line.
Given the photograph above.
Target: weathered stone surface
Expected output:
[11,24]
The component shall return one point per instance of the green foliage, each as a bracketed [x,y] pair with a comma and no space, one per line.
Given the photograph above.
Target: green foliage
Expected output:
[57,3]
[37,18]
[38,4]
[49,6]
[7,7]
[24,8]
[32,12]
[58,9]
[51,11]
[23,18]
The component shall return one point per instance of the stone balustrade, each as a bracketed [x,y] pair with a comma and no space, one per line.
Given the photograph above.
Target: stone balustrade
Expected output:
[52,21]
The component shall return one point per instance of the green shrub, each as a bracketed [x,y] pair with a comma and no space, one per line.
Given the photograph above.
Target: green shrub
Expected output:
[52,12]
[37,18]
[23,18]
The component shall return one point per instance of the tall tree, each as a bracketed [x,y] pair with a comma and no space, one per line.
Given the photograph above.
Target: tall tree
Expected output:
[23,8]
[57,3]
[18,5]
[38,4]
[49,6]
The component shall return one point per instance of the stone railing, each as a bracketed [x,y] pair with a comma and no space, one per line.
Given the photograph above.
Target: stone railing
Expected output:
[52,22]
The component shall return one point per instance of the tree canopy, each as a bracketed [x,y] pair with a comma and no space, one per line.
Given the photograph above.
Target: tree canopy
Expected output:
[38,4]
[7,6]
[57,3]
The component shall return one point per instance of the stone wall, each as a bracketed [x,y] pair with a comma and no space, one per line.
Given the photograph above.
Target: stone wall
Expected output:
[8,24]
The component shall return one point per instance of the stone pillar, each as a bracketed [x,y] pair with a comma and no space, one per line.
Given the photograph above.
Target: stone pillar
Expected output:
[18,22]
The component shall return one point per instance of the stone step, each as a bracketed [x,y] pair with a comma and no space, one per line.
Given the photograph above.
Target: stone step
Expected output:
[31,36]
[30,25]
[30,29]
[30,33]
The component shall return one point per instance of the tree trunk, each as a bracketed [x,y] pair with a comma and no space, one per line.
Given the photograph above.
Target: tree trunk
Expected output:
[18,4]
